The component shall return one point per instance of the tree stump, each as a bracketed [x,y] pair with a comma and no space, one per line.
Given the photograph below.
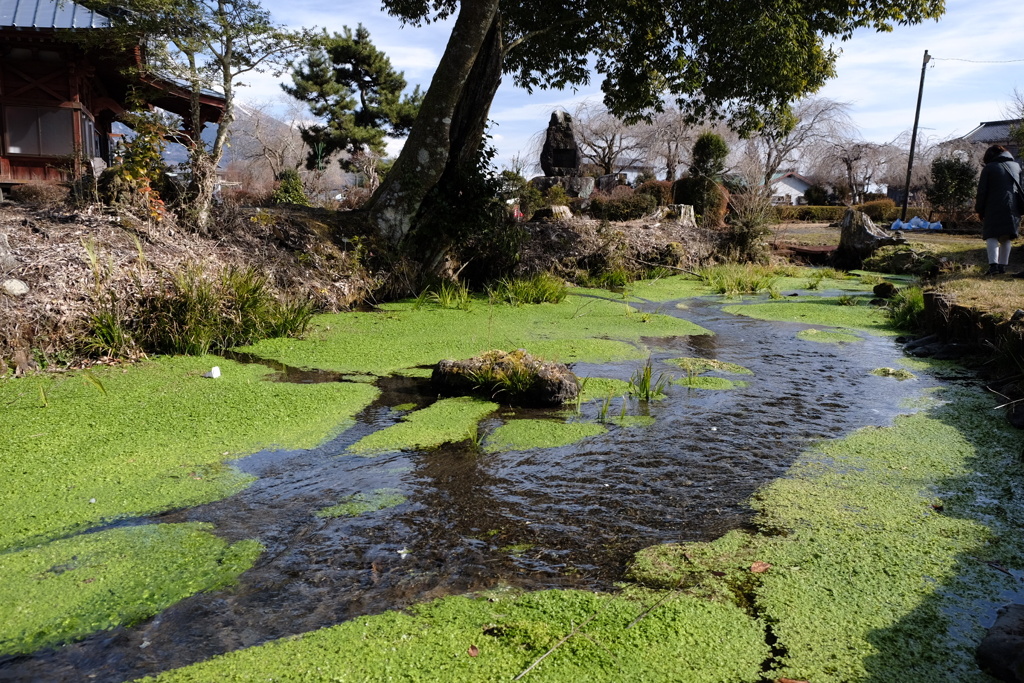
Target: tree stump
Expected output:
[859,239]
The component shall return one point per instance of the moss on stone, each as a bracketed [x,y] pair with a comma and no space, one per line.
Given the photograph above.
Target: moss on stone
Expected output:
[683,639]
[154,438]
[446,421]
[64,590]
[828,336]
[521,435]
[359,503]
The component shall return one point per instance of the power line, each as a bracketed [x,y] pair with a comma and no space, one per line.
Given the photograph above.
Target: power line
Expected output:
[977,61]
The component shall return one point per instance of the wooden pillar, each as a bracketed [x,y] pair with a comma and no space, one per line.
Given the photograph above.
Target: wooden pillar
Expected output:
[75,98]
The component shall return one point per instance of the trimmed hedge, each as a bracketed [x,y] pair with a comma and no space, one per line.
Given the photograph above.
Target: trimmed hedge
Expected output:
[820,214]
[882,212]
[623,208]
[661,190]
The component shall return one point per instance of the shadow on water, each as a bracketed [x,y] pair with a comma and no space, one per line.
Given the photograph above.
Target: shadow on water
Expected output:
[561,517]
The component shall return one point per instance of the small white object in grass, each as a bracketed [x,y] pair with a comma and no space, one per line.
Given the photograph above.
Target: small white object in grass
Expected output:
[92,500]
[213,373]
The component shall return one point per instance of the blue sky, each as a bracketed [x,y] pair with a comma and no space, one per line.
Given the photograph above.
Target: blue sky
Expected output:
[878,73]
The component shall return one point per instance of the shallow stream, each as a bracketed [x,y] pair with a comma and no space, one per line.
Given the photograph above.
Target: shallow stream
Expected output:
[543,518]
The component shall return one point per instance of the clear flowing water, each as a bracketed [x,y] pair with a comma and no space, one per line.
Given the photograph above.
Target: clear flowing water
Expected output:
[545,518]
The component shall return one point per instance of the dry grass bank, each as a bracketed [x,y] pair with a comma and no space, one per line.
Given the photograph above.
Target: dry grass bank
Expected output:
[71,259]
[964,278]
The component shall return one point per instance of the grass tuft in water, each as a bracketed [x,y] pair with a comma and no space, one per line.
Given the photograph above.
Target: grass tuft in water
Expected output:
[539,289]
[906,309]
[733,279]
[446,294]
[645,387]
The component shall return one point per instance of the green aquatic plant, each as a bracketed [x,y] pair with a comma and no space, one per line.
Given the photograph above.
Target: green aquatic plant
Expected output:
[361,503]
[828,336]
[897,373]
[599,388]
[848,300]
[446,421]
[819,311]
[67,589]
[712,383]
[644,386]
[698,366]
[520,435]
[517,548]
[399,336]
[157,439]
[555,635]
[632,421]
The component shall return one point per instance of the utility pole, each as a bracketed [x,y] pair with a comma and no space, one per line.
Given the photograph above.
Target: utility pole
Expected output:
[913,137]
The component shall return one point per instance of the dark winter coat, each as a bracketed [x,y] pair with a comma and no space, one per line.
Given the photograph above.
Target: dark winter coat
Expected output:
[996,203]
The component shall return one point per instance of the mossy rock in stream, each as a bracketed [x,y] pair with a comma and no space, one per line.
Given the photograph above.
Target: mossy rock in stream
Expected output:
[515,378]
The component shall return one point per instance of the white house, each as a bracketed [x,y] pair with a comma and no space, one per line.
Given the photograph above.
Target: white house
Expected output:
[789,189]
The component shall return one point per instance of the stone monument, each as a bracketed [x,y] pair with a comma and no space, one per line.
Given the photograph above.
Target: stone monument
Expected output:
[560,159]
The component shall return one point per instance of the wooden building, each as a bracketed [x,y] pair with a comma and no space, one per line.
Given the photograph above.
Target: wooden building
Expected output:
[59,97]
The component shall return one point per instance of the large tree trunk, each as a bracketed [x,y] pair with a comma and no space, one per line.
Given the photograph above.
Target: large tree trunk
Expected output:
[466,137]
[427,151]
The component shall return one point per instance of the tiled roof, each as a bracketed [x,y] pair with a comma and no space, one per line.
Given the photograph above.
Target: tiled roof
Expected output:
[48,14]
[990,131]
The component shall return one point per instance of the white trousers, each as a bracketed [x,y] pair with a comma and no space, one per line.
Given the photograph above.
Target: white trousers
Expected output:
[998,250]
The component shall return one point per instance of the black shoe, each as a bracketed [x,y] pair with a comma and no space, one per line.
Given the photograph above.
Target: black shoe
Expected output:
[993,269]
[1002,269]
[1019,275]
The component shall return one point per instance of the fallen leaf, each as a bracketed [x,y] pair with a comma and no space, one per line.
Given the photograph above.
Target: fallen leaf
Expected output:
[788,680]
[760,567]
[473,650]
[717,573]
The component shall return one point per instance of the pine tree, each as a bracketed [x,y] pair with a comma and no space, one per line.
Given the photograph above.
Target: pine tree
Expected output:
[352,88]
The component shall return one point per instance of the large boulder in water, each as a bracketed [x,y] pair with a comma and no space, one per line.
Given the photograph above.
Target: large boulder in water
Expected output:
[1001,652]
[515,378]
[859,239]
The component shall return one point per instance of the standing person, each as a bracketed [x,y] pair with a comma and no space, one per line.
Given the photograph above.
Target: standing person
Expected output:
[998,205]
